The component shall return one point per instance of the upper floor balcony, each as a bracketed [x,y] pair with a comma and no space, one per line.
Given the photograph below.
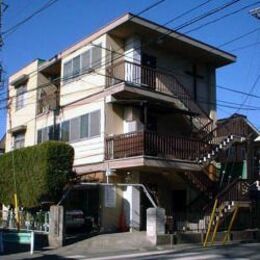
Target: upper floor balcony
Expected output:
[135,81]
[152,144]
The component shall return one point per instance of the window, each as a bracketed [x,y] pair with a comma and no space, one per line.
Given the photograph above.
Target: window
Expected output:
[92,58]
[47,133]
[96,56]
[85,61]
[20,97]
[76,66]
[84,126]
[19,140]
[65,131]
[39,136]
[68,70]
[75,129]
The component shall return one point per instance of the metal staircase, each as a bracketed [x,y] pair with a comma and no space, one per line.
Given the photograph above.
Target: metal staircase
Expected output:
[233,197]
[201,182]
[223,144]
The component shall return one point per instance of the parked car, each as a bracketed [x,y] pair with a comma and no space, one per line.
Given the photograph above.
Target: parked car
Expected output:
[74,218]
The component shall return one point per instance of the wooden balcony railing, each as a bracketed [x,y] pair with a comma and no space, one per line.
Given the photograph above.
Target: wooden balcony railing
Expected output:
[158,81]
[152,144]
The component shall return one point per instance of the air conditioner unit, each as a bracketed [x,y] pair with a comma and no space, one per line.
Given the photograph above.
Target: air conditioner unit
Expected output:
[130,126]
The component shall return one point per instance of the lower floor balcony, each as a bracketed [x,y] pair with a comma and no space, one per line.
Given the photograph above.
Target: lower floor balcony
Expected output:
[147,143]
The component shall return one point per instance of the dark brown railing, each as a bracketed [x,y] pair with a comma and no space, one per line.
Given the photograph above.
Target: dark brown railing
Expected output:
[236,126]
[238,190]
[233,126]
[152,144]
[159,81]
[202,181]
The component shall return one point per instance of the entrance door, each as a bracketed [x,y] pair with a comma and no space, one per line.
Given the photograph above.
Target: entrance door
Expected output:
[179,198]
[148,71]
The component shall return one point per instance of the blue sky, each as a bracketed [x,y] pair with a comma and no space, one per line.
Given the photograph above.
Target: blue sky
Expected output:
[68,21]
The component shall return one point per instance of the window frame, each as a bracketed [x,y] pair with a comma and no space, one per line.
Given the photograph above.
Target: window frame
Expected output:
[20,97]
[19,140]
[82,70]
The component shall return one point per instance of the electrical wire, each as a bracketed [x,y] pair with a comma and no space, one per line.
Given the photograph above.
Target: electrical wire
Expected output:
[221,18]
[28,18]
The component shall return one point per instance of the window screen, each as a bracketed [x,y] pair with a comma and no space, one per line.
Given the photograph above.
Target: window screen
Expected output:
[76,66]
[20,97]
[45,134]
[65,131]
[39,136]
[94,123]
[67,70]
[75,129]
[96,57]
[18,140]
[85,61]
[84,132]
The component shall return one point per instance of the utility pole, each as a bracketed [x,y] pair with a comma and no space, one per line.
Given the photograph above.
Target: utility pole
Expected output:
[3,8]
[250,143]
[255,12]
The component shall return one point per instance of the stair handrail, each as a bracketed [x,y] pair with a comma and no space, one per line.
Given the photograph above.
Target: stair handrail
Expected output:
[225,125]
[220,194]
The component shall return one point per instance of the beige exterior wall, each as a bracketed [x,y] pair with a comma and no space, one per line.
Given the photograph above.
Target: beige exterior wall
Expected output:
[26,115]
[91,150]
[179,66]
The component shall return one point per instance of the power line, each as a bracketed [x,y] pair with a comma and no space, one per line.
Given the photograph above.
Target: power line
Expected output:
[187,12]
[239,37]
[207,14]
[222,17]
[150,7]
[222,7]
[28,18]
[245,46]
[238,91]
[250,92]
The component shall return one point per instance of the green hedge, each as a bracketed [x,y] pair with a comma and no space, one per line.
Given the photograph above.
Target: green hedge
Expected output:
[41,172]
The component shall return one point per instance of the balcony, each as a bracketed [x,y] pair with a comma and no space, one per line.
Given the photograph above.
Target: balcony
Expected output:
[146,143]
[160,82]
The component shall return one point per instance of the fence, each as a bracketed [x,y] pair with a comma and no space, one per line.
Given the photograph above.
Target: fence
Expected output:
[37,221]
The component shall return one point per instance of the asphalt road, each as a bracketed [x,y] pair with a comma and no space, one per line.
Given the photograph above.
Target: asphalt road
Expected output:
[193,252]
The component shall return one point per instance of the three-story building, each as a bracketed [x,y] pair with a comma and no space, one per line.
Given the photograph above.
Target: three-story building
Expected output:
[136,100]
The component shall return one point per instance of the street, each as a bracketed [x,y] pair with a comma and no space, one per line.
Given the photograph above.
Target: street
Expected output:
[194,252]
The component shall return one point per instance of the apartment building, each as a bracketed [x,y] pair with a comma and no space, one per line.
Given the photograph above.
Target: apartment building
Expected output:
[137,101]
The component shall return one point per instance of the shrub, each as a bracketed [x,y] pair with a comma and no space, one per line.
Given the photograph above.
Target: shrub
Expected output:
[40,173]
